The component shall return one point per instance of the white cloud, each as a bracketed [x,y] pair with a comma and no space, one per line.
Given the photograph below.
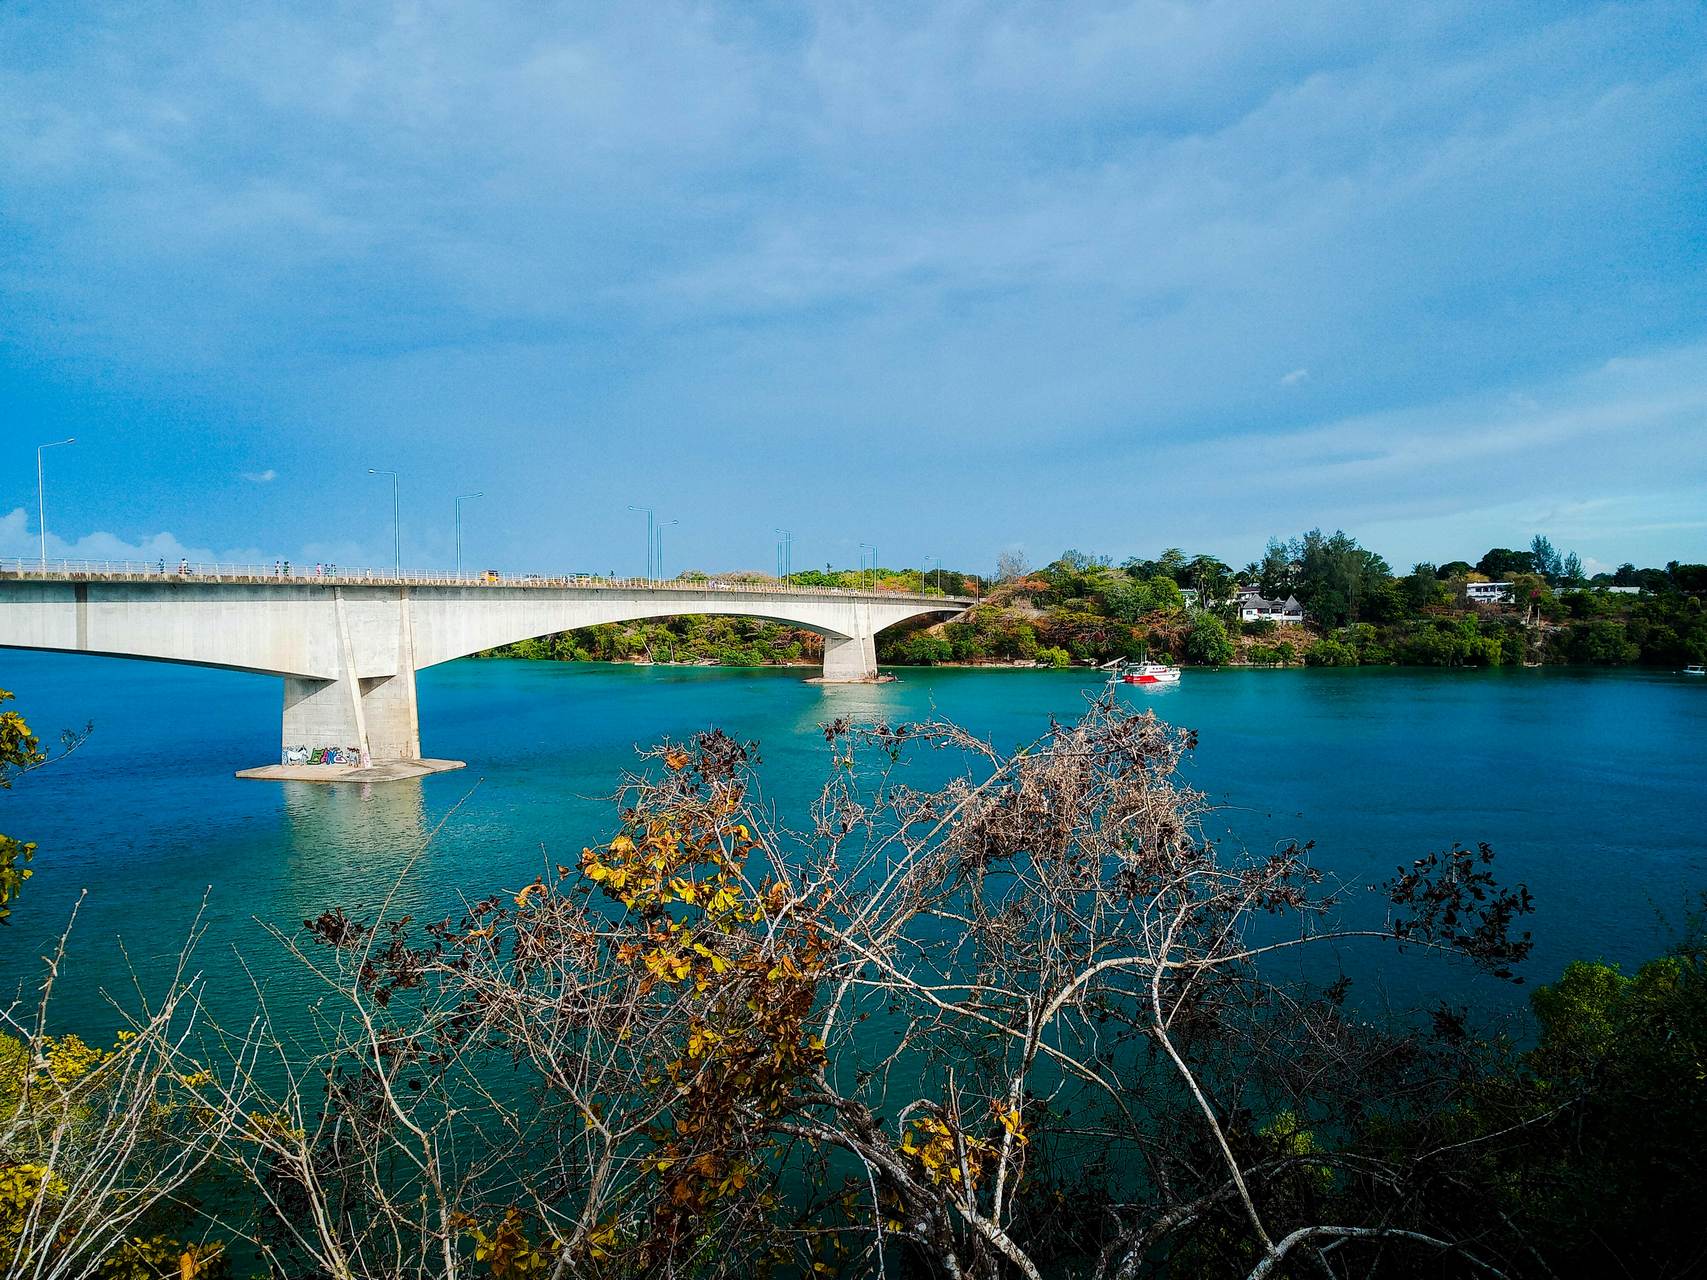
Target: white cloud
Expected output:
[1294,378]
[261,477]
[19,540]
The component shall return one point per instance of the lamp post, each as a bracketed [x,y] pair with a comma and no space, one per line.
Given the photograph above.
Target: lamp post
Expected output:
[938,560]
[459,499]
[41,492]
[662,525]
[396,522]
[650,525]
[868,558]
[785,554]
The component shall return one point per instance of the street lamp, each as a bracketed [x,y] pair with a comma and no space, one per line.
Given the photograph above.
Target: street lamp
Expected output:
[396,523]
[459,498]
[938,560]
[869,557]
[662,525]
[41,493]
[785,554]
[651,523]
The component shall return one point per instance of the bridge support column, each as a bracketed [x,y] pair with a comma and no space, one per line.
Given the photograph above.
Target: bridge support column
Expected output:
[851,659]
[375,715]
[393,727]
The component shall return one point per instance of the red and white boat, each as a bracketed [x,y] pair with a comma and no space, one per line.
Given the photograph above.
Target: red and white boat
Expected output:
[1147,673]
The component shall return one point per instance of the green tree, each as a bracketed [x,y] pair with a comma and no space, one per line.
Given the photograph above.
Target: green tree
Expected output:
[1080,561]
[1530,593]
[1122,598]
[1165,594]
[1422,589]
[1616,1186]
[1207,643]
[1329,652]
[1212,580]
[1602,642]
[1689,578]
[20,750]
[1277,576]
[1336,577]
[1501,562]
[1545,559]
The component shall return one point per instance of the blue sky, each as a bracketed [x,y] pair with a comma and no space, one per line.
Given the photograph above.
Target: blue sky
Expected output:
[947,278]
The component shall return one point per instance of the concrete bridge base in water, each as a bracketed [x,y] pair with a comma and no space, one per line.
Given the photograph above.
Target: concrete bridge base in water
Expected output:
[348,648]
[383,771]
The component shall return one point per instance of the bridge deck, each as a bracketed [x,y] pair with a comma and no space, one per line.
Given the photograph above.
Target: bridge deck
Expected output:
[332,576]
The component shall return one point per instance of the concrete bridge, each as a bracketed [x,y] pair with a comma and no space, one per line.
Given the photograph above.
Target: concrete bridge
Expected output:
[348,645]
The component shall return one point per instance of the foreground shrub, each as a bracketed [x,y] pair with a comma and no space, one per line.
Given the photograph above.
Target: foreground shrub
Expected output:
[1013,1023]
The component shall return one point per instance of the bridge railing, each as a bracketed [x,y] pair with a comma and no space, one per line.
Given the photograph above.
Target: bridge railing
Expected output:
[283,571]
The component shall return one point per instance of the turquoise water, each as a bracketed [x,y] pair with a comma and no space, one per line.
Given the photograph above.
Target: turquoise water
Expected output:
[1592,786]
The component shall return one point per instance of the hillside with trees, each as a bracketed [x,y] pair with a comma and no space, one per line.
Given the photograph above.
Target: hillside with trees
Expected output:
[1084,609]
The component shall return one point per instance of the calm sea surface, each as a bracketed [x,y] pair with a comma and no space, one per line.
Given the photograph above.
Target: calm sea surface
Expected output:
[1592,786]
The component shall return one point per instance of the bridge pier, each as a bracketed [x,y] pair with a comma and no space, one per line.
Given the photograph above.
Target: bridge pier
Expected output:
[850,659]
[393,723]
[376,716]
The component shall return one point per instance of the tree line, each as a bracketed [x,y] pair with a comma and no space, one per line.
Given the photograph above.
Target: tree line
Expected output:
[1086,609]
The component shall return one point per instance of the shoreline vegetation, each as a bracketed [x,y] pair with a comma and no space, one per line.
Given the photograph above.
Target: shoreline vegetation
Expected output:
[1084,610]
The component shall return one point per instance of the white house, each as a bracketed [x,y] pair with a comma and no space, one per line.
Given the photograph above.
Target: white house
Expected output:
[1252,608]
[1487,592]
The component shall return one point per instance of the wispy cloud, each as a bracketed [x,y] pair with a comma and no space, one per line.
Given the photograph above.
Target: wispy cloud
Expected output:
[1505,463]
[1294,378]
[261,477]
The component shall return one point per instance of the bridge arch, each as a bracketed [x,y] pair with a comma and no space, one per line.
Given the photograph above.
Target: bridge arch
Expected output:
[348,650]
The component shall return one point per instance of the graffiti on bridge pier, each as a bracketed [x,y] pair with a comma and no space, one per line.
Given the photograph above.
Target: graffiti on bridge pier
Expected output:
[326,755]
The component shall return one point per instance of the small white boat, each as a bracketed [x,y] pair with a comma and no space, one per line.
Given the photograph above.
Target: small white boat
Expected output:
[1147,673]
[1695,669]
